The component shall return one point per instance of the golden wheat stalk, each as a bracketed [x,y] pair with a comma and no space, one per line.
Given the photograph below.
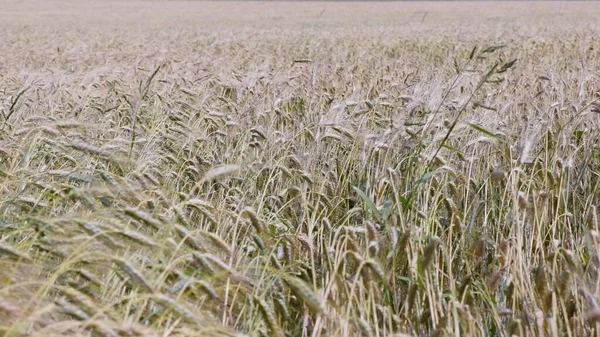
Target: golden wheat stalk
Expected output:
[304,292]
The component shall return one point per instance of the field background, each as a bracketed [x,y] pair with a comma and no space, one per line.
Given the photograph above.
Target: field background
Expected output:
[446,16]
[299,169]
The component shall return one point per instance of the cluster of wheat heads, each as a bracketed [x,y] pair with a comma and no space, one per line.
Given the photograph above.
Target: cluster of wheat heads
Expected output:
[298,184]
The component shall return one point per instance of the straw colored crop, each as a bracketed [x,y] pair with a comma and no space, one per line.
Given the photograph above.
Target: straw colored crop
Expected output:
[181,168]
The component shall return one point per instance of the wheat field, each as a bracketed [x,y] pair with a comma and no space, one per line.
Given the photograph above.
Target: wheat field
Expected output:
[177,168]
